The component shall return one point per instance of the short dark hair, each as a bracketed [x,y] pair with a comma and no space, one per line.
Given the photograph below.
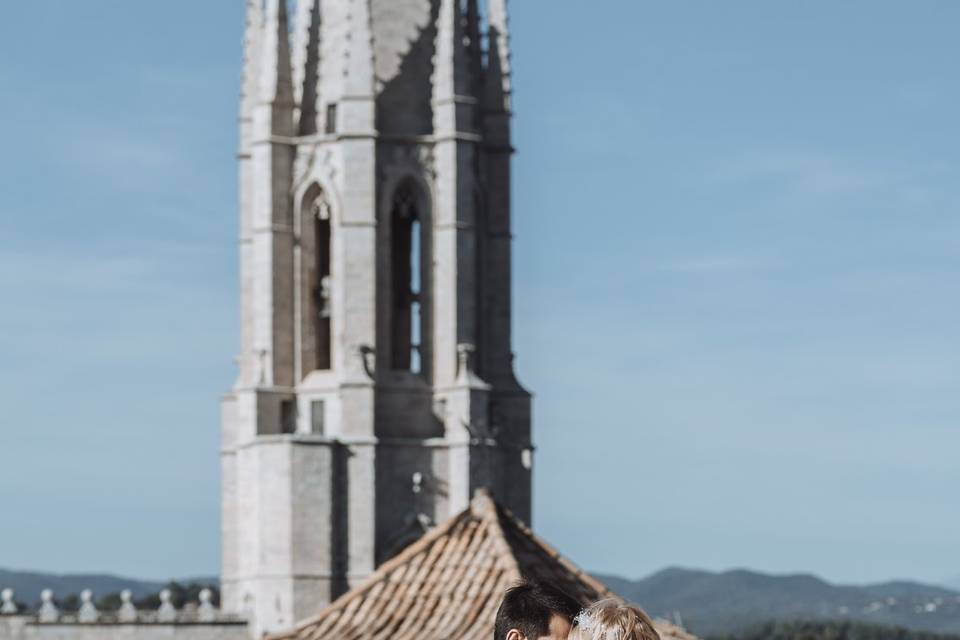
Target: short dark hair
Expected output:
[528,608]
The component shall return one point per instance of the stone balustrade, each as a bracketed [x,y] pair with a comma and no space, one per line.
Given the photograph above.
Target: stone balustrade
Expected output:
[8,605]
[50,613]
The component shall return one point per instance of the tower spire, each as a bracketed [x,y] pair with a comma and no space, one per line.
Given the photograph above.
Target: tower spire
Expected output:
[357,109]
[276,76]
[302,18]
[306,64]
[454,127]
[475,44]
[249,93]
[251,66]
[359,52]
[452,73]
[498,82]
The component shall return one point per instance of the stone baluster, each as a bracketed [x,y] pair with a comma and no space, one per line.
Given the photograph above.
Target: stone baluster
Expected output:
[8,607]
[206,612]
[167,612]
[127,613]
[48,609]
[88,613]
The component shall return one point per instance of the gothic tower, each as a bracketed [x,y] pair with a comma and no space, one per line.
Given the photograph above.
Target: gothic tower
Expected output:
[376,389]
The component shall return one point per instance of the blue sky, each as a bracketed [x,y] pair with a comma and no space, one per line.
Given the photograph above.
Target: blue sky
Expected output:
[737,253]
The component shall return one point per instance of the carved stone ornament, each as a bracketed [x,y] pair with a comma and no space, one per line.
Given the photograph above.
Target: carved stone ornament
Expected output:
[402,160]
[313,164]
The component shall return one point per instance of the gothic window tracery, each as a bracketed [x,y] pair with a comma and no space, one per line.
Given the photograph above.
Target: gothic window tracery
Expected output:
[407,251]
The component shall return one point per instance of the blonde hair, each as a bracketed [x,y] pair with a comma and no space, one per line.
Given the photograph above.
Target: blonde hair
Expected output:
[613,620]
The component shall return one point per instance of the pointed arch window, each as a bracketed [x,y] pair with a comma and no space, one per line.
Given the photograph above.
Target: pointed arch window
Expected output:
[321,299]
[409,263]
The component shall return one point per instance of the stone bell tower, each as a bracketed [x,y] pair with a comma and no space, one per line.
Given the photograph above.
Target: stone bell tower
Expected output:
[376,388]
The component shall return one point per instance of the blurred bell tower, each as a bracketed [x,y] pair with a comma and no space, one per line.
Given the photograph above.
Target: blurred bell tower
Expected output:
[376,389]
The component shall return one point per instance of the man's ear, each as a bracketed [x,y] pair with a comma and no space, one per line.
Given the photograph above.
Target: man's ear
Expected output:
[514,634]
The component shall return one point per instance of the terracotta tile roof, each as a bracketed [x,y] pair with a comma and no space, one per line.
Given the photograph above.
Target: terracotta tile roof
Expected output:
[448,584]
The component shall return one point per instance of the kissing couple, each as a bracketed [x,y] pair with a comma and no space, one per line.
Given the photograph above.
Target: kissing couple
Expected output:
[541,611]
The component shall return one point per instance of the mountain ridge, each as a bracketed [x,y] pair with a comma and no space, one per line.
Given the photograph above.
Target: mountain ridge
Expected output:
[711,603]
[707,603]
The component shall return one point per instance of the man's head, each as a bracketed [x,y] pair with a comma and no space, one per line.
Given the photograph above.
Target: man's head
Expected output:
[535,611]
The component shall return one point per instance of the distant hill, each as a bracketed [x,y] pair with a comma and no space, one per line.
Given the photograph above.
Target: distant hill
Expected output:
[708,604]
[832,630]
[28,585]
[721,603]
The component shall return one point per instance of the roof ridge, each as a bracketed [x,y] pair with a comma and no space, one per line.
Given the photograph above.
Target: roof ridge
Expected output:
[383,570]
[485,506]
[602,589]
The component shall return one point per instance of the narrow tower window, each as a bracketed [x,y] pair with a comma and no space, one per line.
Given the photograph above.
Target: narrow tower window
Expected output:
[416,365]
[331,125]
[407,250]
[322,299]
[288,416]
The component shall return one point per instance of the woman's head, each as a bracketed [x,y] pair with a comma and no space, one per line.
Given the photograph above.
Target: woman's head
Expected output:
[613,620]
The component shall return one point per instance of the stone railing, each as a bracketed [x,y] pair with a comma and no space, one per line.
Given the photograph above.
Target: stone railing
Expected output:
[127,613]
[7,605]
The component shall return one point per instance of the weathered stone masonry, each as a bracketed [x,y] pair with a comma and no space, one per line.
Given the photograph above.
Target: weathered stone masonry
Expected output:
[376,390]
